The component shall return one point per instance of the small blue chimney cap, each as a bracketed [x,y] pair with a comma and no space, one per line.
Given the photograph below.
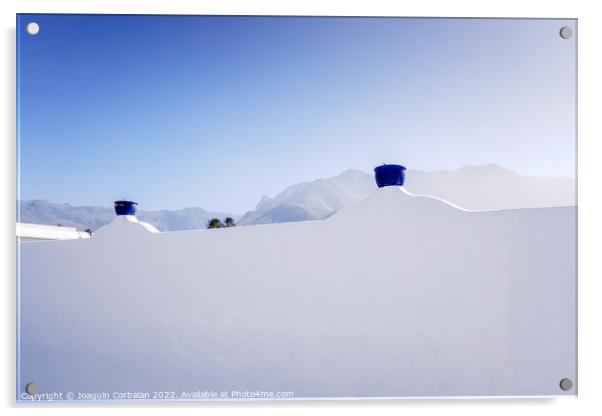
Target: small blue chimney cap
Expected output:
[125,207]
[389,175]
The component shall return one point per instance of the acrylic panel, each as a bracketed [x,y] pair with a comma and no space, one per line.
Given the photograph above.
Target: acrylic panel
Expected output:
[281,208]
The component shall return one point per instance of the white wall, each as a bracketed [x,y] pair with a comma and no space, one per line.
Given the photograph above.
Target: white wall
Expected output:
[398,295]
[27,232]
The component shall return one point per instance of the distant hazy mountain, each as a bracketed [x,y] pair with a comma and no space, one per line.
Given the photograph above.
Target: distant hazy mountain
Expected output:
[492,187]
[43,212]
[470,187]
[312,200]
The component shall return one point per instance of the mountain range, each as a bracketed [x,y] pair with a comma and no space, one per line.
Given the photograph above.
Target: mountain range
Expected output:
[471,187]
[39,211]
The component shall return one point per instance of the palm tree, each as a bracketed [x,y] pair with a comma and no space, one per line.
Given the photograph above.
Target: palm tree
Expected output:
[229,221]
[214,223]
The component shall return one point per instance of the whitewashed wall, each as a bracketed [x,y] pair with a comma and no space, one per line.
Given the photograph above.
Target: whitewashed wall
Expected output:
[399,295]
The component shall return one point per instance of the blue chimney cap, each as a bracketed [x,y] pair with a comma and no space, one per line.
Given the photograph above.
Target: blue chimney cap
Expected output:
[125,207]
[389,175]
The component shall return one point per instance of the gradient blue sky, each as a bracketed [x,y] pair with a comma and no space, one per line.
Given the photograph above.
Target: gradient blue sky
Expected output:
[177,111]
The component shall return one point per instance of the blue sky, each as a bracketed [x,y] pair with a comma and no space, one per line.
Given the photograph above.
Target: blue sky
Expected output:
[177,111]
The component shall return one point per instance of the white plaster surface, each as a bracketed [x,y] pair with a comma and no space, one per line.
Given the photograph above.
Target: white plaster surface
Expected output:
[27,231]
[398,295]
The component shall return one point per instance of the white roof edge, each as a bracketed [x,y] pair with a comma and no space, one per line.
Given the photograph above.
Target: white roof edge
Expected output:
[48,232]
